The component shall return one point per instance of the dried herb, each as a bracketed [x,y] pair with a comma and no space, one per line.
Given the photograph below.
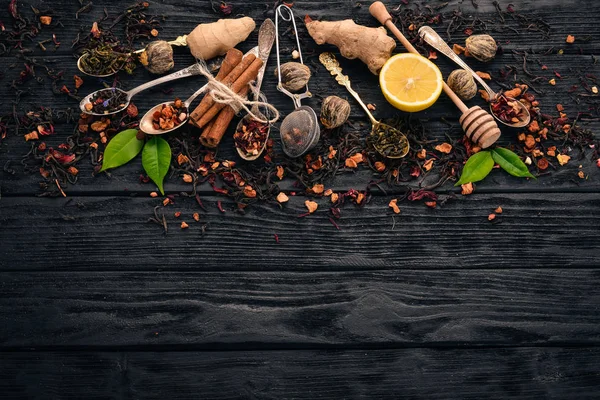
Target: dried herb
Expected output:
[169,116]
[102,59]
[251,137]
[507,109]
[388,142]
[107,101]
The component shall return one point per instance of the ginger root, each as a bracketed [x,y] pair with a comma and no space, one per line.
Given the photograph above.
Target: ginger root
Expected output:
[371,45]
[215,39]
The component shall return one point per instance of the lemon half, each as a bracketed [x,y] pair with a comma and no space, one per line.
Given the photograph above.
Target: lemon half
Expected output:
[410,82]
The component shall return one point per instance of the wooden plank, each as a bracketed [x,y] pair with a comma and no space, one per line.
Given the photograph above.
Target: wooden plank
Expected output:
[62,375]
[112,233]
[271,310]
[470,374]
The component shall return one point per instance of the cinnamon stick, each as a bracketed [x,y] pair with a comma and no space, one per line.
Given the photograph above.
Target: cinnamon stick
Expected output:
[206,132]
[232,59]
[248,76]
[207,102]
[215,129]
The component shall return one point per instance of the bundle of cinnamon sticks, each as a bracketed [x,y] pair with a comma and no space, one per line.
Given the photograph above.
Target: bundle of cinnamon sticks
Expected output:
[237,71]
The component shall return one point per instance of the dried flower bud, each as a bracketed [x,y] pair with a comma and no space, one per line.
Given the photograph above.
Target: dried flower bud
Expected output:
[482,47]
[462,83]
[157,57]
[95,30]
[294,76]
[334,112]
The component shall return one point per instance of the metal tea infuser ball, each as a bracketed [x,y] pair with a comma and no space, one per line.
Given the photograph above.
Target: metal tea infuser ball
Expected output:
[300,129]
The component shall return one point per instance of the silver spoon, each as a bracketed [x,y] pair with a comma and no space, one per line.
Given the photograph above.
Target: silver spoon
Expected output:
[180,41]
[266,37]
[435,41]
[146,121]
[184,73]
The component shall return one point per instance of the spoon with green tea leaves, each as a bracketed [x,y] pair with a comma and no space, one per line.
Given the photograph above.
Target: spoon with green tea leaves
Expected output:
[511,112]
[104,61]
[113,100]
[387,140]
[168,116]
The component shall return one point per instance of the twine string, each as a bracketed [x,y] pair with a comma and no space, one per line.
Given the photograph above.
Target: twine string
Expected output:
[223,94]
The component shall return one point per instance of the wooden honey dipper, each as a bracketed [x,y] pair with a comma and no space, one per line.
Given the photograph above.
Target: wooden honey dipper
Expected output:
[479,126]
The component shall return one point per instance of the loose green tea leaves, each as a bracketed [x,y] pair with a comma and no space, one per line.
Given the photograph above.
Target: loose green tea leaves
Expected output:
[156,159]
[103,60]
[511,163]
[389,142]
[122,149]
[478,166]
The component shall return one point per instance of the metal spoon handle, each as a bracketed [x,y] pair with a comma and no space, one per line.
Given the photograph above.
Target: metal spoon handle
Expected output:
[196,94]
[333,66]
[434,40]
[189,71]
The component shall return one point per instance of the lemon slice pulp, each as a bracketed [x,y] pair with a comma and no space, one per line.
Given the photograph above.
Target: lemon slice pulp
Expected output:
[410,82]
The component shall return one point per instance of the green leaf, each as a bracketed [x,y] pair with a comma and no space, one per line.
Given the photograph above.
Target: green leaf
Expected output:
[156,159]
[511,163]
[478,166]
[121,149]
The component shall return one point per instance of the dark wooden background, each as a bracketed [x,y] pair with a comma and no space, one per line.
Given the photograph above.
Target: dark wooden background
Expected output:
[436,303]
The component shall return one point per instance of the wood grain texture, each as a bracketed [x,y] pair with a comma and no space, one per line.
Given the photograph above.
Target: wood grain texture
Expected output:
[97,303]
[274,310]
[112,233]
[523,373]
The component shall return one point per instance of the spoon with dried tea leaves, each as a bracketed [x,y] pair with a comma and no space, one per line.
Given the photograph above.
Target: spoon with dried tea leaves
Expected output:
[173,114]
[387,140]
[113,60]
[251,135]
[511,112]
[113,100]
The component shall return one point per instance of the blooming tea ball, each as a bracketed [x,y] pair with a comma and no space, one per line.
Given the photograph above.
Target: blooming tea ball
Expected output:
[157,57]
[294,76]
[334,112]
[482,47]
[462,83]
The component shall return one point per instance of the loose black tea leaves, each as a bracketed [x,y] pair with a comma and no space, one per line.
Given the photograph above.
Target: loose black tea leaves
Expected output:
[107,101]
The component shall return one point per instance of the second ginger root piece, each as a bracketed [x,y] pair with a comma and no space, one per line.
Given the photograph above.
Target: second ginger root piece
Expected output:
[371,45]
